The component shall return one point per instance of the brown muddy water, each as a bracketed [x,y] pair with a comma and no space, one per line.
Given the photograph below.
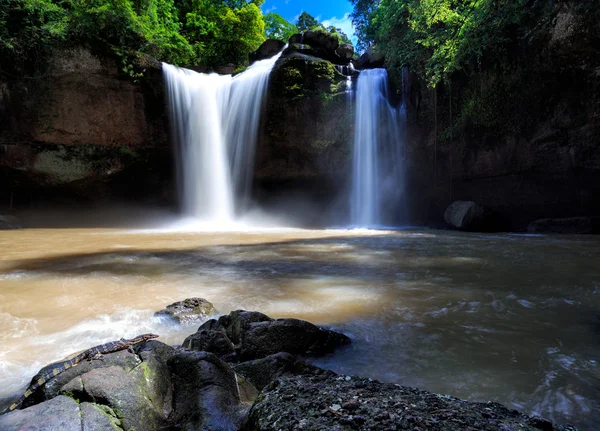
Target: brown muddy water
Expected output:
[508,318]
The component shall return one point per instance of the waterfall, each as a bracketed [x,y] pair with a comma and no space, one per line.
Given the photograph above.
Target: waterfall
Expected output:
[378,159]
[214,123]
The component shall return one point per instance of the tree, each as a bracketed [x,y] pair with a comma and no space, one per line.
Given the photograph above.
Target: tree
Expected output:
[306,22]
[277,27]
[439,37]
[343,37]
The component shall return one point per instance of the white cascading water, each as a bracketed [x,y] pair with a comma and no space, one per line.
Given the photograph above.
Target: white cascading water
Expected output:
[378,153]
[214,122]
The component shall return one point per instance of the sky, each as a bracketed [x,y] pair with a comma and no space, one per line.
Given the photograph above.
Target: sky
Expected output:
[328,12]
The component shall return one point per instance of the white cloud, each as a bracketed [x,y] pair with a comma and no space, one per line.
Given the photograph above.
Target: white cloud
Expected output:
[344,23]
[271,9]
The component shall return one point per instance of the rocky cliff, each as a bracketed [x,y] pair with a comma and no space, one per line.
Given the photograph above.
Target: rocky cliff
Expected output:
[524,141]
[82,131]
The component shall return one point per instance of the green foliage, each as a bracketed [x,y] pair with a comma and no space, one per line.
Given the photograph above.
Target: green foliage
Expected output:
[212,32]
[439,37]
[306,22]
[339,33]
[277,27]
[222,35]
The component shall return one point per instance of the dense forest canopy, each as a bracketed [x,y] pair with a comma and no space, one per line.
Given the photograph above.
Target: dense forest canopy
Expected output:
[438,37]
[182,32]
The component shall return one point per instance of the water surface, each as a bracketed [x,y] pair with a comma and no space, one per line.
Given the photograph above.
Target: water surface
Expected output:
[507,318]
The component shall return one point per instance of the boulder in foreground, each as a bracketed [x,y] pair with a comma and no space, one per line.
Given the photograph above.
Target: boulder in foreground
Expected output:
[332,402]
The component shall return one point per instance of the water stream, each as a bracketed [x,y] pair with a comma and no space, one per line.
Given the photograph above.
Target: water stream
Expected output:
[377,171]
[214,123]
[507,318]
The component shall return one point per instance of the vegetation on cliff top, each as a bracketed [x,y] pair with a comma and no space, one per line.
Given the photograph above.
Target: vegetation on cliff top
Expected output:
[438,37]
[208,32]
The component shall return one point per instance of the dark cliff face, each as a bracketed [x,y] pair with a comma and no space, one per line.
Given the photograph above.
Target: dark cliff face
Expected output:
[306,144]
[82,132]
[524,141]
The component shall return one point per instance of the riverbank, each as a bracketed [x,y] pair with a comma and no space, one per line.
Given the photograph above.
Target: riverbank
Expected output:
[238,373]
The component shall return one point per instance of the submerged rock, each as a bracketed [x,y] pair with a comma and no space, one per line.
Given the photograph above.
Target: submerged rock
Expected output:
[571,225]
[331,402]
[189,311]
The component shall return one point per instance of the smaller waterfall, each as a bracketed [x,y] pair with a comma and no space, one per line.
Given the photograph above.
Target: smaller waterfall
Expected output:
[214,123]
[378,158]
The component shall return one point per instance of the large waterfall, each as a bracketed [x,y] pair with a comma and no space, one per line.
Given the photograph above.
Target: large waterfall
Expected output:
[214,122]
[378,159]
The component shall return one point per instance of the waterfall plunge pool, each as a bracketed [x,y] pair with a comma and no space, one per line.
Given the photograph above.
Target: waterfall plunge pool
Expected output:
[507,318]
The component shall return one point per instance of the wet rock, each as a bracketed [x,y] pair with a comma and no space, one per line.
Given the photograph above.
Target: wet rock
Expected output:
[237,322]
[261,372]
[211,337]
[345,51]
[268,49]
[9,222]
[206,393]
[571,225]
[190,311]
[255,335]
[331,402]
[288,335]
[469,216]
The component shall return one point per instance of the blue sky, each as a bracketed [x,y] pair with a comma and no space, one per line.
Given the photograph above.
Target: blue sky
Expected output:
[329,12]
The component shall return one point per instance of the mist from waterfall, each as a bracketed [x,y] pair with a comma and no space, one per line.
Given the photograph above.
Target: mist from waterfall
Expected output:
[378,157]
[214,123]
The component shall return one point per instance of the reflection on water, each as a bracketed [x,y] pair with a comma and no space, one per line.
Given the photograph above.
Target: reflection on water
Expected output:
[507,318]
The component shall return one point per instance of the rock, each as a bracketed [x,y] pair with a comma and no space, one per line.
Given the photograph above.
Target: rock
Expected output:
[345,51]
[296,38]
[571,225]
[294,336]
[211,338]
[469,216]
[9,222]
[370,60]
[228,69]
[268,49]
[189,311]
[129,392]
[135,385]
[61,413]
[321,39]
[261,372]
[331,402]
[237,322]
[309,122]
[206,393]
